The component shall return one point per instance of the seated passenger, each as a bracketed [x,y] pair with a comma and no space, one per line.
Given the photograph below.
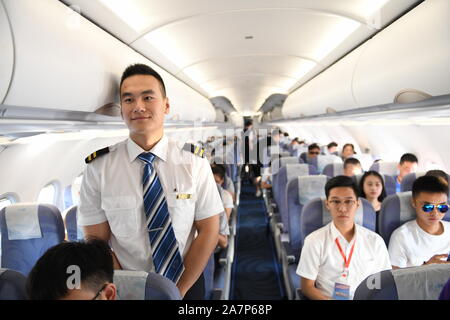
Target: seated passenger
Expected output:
[408,164]
[222,178]
[336,258]
[371,187]
[227,204]
[352,167]
[348,150]
[73,271]
[332,148]
[425,240]
[313,152]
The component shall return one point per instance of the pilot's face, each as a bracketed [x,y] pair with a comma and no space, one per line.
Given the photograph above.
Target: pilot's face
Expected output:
[143,105]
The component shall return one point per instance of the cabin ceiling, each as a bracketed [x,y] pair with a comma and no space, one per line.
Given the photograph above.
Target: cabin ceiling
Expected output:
[245,51]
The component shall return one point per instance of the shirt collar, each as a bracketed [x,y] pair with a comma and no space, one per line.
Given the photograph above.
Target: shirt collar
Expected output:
[159,150]
[336,234]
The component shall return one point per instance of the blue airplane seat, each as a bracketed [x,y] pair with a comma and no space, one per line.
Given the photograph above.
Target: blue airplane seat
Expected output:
[333,169]
[28,230]
[12,285]
[415,283]
[276,166]
[208,274]
[140,285]
[74,232]
[395,211]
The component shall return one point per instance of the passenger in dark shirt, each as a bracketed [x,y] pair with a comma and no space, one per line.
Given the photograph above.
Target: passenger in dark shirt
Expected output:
[371,187]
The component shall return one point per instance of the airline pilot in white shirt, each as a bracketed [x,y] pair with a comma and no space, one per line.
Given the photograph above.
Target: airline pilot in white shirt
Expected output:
[426,239]
[336,258]
[117,179]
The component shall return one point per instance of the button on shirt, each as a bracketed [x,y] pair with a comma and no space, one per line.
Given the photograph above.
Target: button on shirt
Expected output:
[112,191]
[410,245]
[321,260]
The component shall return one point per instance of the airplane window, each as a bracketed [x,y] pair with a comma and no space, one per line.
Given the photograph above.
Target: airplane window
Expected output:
[76,189]
[6,201]
[47,194]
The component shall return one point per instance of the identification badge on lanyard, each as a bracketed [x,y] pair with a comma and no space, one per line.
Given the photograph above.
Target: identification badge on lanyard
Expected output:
[341,288]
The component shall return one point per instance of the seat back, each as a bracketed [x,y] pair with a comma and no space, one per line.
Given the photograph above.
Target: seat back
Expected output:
[74,232]
[280,191]
[333,169]
[395,211]
[315,215]
[323,160]
[389,168]
[12,285]
[140,285]
[416,283]
[28,230]
[278,163]
[308,188]
[408,180]
[208,275]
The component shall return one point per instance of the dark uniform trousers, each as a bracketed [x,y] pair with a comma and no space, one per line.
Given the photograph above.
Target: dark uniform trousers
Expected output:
[197,291]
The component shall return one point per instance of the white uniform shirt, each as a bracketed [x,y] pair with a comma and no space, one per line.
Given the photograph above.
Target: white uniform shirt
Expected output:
[112,191]
[322,261]
[410,245]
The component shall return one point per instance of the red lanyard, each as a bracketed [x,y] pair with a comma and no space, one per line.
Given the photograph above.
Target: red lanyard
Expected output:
[346,261]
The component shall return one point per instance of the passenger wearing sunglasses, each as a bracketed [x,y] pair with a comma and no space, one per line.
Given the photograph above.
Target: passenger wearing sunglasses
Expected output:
[73,271]
[425,240]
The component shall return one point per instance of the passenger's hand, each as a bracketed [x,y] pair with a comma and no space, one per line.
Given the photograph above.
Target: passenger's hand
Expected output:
[438,259]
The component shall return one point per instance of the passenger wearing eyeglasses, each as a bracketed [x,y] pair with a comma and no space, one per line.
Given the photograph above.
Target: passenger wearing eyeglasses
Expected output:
[73,271]
[425,240]
[336,258]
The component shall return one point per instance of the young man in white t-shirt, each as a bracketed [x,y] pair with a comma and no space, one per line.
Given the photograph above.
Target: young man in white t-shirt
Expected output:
[425,240]
[336,258]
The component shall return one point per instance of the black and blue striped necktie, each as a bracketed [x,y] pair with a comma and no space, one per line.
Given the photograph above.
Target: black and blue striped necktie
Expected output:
[166,255]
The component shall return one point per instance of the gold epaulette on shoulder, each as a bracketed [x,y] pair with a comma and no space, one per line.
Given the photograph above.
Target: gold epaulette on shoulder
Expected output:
[96,154]
[197,150]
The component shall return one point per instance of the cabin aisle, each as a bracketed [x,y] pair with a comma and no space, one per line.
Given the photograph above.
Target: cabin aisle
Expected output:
[256,273]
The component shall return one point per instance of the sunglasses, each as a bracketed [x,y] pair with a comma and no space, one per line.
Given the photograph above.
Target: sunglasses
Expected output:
[314,152]
[443,208]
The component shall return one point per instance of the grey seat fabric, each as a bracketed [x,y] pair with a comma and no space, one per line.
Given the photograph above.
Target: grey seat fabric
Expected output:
[12,285]
[140,285]
[389,168]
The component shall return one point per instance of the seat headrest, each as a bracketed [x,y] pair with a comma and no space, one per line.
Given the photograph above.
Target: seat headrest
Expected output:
[421,283]
[389,168]
[22,221]
[408,180]
[310,187]
[323,160]
[130,284]
[296,170]
[12,285]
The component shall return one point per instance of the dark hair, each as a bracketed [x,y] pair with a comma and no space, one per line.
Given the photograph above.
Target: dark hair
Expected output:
[362,194]
[48,278]
[341,181]
[408,157]
[438,173]
[351,161]
[142,69]
[219,169]
[349,145]
[430,184]
[286,134]
[313,146]
[332,144]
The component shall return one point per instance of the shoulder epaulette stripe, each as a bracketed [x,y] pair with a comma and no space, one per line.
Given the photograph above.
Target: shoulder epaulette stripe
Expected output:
[197,150]
[96,154]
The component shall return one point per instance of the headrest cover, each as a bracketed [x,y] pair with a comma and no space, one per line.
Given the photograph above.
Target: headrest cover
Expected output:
[22,221]
[389,168]
[407,211]
[338,169]
[130,284]
[286,160]
[310,187]
[323,160]
[296,170]
[421,283]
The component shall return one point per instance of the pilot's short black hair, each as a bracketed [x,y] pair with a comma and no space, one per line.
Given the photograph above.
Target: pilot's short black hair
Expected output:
[408,157]
[142,69]
[431,184]
[49,278]
[341,181]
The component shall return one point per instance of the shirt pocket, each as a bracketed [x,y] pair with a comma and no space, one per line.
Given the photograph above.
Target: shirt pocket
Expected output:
[182,210]
[121,212]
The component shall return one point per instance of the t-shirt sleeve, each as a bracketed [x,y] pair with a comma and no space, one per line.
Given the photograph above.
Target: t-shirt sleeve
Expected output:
[308,266]
[208,201]
[90,211]
[397,250]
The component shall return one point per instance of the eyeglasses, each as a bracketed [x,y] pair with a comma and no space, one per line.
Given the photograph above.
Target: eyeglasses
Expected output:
[347,203]
[443,208]
[314,152]
[99,292]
